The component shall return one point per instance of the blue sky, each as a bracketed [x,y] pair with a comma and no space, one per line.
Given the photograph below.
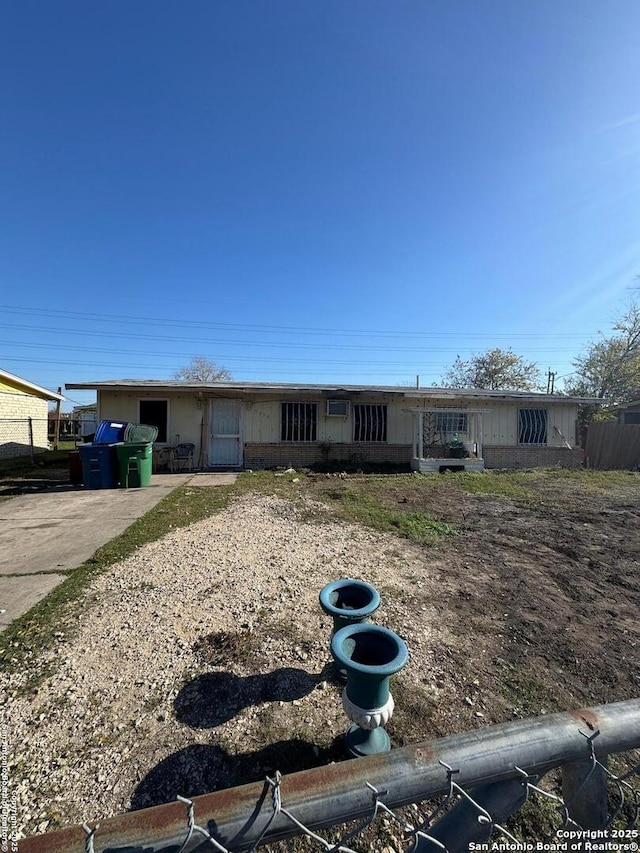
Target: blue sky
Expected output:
[323,191]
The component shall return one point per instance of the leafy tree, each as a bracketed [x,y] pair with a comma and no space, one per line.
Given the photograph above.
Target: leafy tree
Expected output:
[493,370]
[610,368]
[201,369]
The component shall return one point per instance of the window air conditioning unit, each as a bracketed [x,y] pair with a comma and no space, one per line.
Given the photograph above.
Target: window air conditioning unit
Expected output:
[338,408]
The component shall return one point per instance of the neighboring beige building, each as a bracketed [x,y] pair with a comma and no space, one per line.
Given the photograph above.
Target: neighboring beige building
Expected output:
[23,416]
[258,425]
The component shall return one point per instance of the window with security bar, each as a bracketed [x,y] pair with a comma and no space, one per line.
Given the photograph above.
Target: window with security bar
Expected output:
[532,426]
[451,422]
[369,422]
[299,421]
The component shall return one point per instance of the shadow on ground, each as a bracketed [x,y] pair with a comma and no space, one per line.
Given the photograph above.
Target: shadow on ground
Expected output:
[216,697]
[11,488]
[201,768]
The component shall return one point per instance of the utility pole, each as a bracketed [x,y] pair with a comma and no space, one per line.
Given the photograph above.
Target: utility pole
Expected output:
[551,381]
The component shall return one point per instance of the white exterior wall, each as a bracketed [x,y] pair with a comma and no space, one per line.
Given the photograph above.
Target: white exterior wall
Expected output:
[184,412]
[500,426]
[500,420]
[262,422]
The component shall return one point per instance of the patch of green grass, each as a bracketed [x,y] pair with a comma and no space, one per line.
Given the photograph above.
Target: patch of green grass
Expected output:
[529,695]
[363,508]
[22,643]
[511,486]
[22,466]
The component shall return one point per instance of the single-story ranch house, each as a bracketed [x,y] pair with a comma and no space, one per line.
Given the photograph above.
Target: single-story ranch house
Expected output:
[259,425]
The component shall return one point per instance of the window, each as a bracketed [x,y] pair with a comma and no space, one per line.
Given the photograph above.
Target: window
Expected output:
[450,422]
[369,422]
[532,426]
[155,413]
[299,421]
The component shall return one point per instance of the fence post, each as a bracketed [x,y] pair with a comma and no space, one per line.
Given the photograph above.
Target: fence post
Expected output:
[31,447]
[56,427]
[584,790]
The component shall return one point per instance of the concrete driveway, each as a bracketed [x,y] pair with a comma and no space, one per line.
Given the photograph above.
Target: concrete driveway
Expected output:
[46,532]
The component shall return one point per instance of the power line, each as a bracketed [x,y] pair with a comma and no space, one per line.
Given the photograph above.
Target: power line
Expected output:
[274,329]
[270,344]
[219,357]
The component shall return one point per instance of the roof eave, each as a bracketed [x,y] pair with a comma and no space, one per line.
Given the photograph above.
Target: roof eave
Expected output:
[295,387]
[31,386]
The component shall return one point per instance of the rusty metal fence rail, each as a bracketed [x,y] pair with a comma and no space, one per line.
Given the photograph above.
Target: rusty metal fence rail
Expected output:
[477,779]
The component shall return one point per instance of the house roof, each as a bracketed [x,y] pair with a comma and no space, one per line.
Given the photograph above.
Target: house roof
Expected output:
[626,406]
[24,384]
[167,385]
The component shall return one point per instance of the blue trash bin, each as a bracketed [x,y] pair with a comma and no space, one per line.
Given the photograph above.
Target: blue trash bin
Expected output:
[110,432]
[99,467]
[99,461]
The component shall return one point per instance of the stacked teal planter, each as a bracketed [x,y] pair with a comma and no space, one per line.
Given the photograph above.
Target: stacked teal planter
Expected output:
[370,655]
[348,602]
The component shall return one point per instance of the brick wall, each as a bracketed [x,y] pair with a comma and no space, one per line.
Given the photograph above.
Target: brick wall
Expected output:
[271,455]
[15,411]
[531,457]
[277,454]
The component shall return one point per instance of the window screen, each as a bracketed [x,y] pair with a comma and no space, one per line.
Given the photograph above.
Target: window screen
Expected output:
[299,421]
[369,422]
[532,426]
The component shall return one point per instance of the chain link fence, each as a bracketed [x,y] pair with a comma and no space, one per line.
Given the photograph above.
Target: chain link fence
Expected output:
[459,804]
[22,437]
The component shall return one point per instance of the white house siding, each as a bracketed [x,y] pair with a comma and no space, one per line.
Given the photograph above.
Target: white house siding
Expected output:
[500,419]
[500,425]
[264,447]
[502,450]
[261,428]
[184,412]
[262,420]
[15,410]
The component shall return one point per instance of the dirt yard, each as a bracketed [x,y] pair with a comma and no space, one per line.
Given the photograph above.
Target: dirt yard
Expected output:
[544,569]
[202,660]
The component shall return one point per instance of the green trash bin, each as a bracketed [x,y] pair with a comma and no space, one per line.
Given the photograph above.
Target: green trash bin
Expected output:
[135,456]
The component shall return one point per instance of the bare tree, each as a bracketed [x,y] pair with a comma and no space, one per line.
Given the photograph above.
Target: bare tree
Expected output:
[493,370]
[201,369]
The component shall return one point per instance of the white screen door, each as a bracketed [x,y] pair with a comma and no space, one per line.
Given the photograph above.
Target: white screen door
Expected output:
[225,447]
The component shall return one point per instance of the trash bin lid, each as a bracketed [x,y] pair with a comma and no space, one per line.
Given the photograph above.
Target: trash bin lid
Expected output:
[109,432]
[140,433]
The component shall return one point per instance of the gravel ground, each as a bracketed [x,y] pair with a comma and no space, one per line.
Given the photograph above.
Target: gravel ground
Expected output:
[202,661]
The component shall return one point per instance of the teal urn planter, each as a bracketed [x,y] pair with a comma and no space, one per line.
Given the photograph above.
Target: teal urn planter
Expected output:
[349,602]
[370,655]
